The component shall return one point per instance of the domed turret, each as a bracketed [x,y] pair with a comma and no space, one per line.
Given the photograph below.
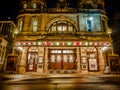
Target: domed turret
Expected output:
[91,4]
[62,6]
[32,6]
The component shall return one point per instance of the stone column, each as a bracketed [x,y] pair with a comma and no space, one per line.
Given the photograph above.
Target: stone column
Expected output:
[46,60]
[102,61]
[78,60]
[1,54]
[1,57]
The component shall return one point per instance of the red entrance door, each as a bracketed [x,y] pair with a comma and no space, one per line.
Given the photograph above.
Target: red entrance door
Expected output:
[62,59]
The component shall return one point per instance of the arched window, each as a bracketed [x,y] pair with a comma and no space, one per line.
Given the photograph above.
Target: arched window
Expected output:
[62,26]
[24,5]
[20,25]
[34,5]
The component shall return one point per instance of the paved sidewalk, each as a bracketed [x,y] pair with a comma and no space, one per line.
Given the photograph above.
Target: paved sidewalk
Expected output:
[86,78]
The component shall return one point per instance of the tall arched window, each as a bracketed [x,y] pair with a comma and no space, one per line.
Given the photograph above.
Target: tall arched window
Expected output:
[62,26]
[20,25]
[34,25]
[89,24]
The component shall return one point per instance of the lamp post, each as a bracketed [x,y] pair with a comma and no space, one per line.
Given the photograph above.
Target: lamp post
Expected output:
[15,34]
[109,34]
[107,67]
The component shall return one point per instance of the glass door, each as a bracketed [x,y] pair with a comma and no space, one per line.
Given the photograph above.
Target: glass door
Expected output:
[32,60]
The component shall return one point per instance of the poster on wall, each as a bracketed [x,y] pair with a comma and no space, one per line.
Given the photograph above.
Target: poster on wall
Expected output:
[92,64]
[84,63]
[11,62]
[114,62]
[40,59]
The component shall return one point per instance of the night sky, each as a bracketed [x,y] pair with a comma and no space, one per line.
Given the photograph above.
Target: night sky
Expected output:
[10,8]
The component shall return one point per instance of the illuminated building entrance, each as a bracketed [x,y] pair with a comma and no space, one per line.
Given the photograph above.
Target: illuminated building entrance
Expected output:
[62,59]
[32,59]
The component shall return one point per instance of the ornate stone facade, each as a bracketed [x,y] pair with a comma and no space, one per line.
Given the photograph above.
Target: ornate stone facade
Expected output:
[62,39]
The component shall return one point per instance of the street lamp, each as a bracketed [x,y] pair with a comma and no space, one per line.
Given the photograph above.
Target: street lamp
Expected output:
[16,31]
[109,34]
[15,34]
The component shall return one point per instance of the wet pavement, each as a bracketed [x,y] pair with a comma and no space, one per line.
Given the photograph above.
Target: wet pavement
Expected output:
[60,82]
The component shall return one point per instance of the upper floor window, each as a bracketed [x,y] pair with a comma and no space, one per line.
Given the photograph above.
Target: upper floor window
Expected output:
[34,26]
[20,25]
[62,26]
[25,5]
[34,5]
[89,24]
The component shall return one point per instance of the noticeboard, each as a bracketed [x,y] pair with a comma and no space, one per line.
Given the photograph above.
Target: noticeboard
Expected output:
[113,62]
[11,62]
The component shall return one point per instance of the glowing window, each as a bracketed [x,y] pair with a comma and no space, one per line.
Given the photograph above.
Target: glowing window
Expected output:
[34,28]
[52,58]
[53,28]
[24,5]
[70,58]
[58,58]
[89,24]
[59,28]
[20,25]
[65,58]
[34,5]
[56,51]
[67,51]
[62,26]
[70,28]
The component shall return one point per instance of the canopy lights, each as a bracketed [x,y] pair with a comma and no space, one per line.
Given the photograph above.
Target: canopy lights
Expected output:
[63,43]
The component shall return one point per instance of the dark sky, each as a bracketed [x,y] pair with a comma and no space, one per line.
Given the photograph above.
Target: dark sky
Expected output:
[10,8]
